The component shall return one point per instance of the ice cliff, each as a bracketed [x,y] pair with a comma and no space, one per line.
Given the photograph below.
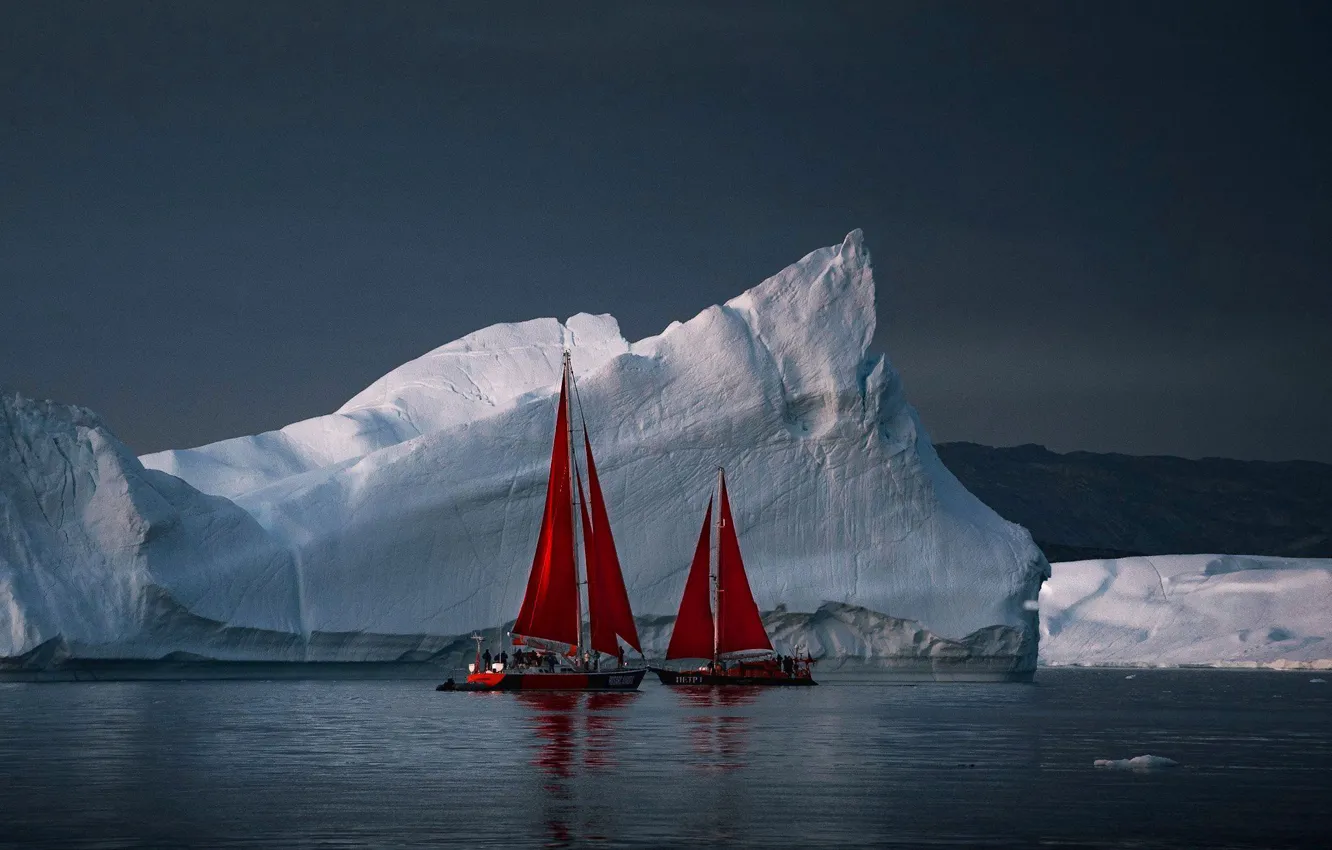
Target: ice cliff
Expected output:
[99,552]
[1175,610]
[408,517]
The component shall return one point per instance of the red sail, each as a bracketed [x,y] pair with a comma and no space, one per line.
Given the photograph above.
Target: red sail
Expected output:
[607,598]
[589,558]
[550,607]
[739,626]
[693,637]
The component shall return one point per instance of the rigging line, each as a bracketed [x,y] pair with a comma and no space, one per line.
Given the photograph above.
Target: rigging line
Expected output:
[574,496]
[578,397]
[581,500]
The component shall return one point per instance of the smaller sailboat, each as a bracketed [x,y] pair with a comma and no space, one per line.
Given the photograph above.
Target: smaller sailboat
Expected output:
[554,648]
[733,641]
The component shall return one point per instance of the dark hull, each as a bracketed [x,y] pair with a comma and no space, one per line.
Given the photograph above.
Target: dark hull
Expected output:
[606,680]
[696,678]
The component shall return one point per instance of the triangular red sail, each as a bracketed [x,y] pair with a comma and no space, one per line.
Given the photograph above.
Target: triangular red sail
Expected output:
[596,589]
[739,626]
[550,606]
[693,637]
[607,598]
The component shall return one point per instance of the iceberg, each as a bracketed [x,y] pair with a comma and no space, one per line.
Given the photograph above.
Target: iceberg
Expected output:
[1138,763]
[97,551]
[405,520]
[1189,610]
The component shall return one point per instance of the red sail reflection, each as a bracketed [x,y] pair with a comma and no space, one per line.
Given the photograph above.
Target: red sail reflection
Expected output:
[718,736]
[602,717]
[555,717]
[552,723]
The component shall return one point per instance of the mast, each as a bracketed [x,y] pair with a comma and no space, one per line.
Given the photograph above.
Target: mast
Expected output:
[717,582]
[573,502]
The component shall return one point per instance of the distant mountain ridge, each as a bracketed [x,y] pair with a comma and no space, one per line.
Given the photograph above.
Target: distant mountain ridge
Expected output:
[1083,505]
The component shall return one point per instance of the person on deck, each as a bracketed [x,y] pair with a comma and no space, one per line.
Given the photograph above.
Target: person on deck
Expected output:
[485,660]
[620,656]
[504,659]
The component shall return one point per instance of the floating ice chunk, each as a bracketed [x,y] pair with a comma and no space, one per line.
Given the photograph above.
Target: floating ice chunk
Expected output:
[1317,681]
[1136,763]
[1175,610]
[1131,676]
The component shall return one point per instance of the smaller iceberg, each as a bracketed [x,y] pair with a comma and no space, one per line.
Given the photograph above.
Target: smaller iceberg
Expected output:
[1136,763]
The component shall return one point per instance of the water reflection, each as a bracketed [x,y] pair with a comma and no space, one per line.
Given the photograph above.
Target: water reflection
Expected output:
[393,764]
[718,736]
[714,697]
[555,719]
[571,729]
[602,719]
[551,719]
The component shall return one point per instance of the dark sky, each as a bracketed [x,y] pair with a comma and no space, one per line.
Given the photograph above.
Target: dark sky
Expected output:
[1099,225]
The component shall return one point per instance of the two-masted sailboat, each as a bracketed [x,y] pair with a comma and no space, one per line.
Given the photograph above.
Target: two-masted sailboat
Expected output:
[554,648]
[734,640]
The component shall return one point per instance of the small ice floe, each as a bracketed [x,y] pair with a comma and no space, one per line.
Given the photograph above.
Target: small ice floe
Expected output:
[1317,681]
[1131,676]
[1136,763]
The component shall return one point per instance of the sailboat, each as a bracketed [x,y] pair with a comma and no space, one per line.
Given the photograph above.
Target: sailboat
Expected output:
[554,648]
[734,640]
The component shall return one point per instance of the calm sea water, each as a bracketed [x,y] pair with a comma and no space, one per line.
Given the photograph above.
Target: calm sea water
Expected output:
[851,763]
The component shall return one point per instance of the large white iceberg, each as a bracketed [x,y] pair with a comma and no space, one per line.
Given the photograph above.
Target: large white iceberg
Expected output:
[408,517]
[99,554]
[1177,610]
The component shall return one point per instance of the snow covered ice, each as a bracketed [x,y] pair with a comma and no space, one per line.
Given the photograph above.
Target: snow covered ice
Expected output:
[98,552]
[397,525]
[1136,763]
[1173,610]
[408,517]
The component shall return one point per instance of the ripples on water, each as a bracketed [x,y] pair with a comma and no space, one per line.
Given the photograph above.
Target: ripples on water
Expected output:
[854,762]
